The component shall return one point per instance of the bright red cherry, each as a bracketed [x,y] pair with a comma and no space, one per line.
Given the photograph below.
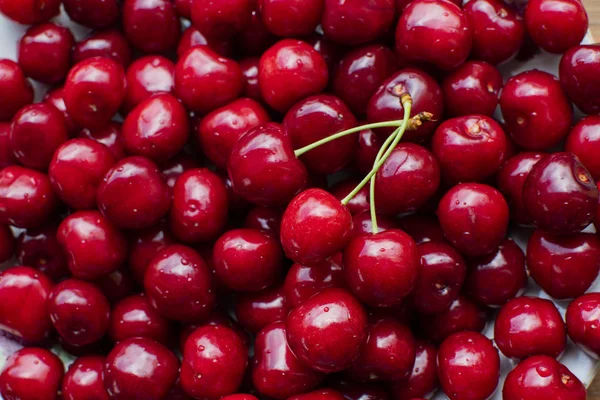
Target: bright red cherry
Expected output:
[584,142]
[264,219]
[84,379]
[93,13]
[16,90]
[289,71]
[423,379]
[537,114]
[151,26]
[139,367]
[577,66]
[147,76]
[583,315]
[6,154]
[356,21]
[254,311]
[422,228]
[109,43]
[110,136]
[291,18]
[221,19]
[327,330]
[39,248]
[30,12]
[135,317]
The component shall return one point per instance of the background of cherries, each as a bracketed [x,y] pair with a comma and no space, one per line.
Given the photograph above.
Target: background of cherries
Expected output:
[158,236]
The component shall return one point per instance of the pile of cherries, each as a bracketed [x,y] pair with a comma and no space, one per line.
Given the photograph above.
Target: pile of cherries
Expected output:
[297,199]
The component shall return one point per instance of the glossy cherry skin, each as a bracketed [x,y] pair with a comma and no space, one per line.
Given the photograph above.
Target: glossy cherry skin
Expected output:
[26,197]
[139,368]
[327,330]
[576,66]
[117,285]
[276,372]
[315,226]
[263,167]
[564,266]
[93,13]
[321,394]
[77,169]
[205,81]
[151,26]
[364,226]
[109,43]
[316,118]
[330,51]
[55,98]
[359,203]
[254,311]
[37,130]
[289,71]
[31,373]
[110,136]
[222,19]
[147,76]
[441,277]
[468,366]
[178,284]
[84,379]
[39,248]
[7,243]
[355,22]
[505,267]
[6,154]
[135,317]
[249,68]
[30,12]
[426,96]
[173,168]
[537,114]
[221,129]
[94,91]
[559,194]
[291,18]
[584,142]
[192,37]
[474,218]
[472,88]
[214,362]
[93,246]
[423,378]
[24,291]
[144,245]
[17,90]
[582,320]
[541,377]
[264,219]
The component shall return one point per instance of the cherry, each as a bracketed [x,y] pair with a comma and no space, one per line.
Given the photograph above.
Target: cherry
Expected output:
[468,366]
[564,266]
[251,89]
[537,114]
[369,145]
[94,91]
[541,377]
[184,8]
[255,38]
[359,203]
[135,317]
[37,130]
[291,18]
[423,379]
[289,71]
[38,248]
[263,167]
[144,245]
[6,154]
[147,76]
[17,90]
[474,218]
[214,362]
[360,391]
[30,12]
[254,311]
[109,43]
[117,285]
[442,274]
[84,379]
[93,13]
[221,129]
[216,318]
[7,243]
[76,171]
[110,136]
[236,202]
[192,37]
[175,167]
[178,284]
[584,141]
[26,197]
[31,373]
[330,51]
[327,330]
[385,104]
[582,320]
[276,372]
[422,228]
[472,88]
[139,367]
[321,394]
[356,22]
[363,224]
[314,226]
[316,118]
[221,19]
[264,219]
[151,26]
[55,98]
[93,246]
[577,65]
[23,291]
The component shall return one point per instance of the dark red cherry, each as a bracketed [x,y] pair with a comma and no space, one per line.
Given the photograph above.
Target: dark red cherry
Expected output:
[109,43]
[110,136]
[94,91]
[423,379]
[24,292]
[468,366]
[289,71]
[541,377]
[139,367]
[184,8]
[366,152]
[360,391]
[577,66]
[221,19]
[321,394]
[77,169]
[192,37]
[505,267]
[216,318]
[205,81]
[316,118]
[117,285]
[214,362]
[7,243]
[236,202]
[254,311]
[263,167]
[172,169]
[359,203]
[355,22]
[135,317]
[426,96]
[7,156]
[330,51]
[264,219]
[291,18]
[559,194]
[178,284]
[422,228]
[537,114]
[219,131]
[255,38]
[315,226]
[151,26]
[44,52]
[55,98]
[472,88]
[363,225]
[93,13]
[582,322]
[276,372]
[144,245]
[84,379]
[37,131]
[26,197]
[441,277]
[251,89]
[39,248]
[93,246]
[16,90]
[31,373]
[147,76]
[564,266]
[474,218]
[584,142]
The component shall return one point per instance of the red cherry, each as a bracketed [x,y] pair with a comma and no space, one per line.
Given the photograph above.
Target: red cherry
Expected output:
[93,13]
[192,37]
[251,89]
[110,136]
[321,394]
[93,246]
[6,154]
[468,366]
[139,367]
[289,71]
[221,19]
[16,90]
[214,362]
[423,379]
[255,38]
[30,12]
[135,317]
[359,203]
[147,76]
[84,379]
[584,142]
[327,330]
[117,285]
[330,51]
[264,219]
[422,228]
[577,65]
[184,8]
[144,245]
[38,248]
[363,225]
[151,26]
[369,145]
[54,97]
[254,311]
[291,18]
[356,21]
[172,169]
[582,320]
[31,373]
[564,266]
[109,43]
